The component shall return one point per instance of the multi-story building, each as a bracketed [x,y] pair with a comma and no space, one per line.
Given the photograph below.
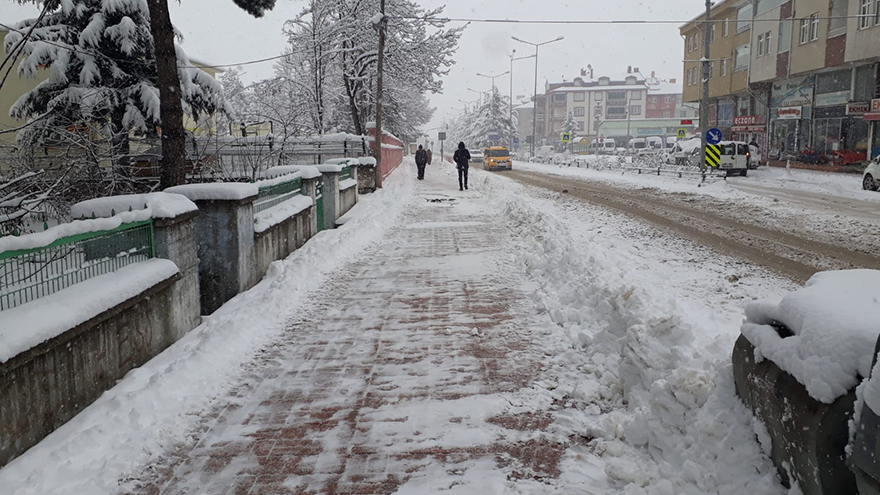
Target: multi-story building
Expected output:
[805,77]
[622,106]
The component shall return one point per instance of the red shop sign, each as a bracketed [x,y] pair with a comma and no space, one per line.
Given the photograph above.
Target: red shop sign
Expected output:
[750,120]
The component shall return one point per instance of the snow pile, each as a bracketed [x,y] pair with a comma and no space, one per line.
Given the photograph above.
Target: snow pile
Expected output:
[266,219]
[658,407]
[157,404]
[367,160]
[159,204]
[279,179]
[834,319]
[216,191]
[305,171]
[43,239]
[342,161]
[28,325]
[330,168]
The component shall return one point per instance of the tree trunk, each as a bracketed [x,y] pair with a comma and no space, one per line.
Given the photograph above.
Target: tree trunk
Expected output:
[173,164]
[352,105]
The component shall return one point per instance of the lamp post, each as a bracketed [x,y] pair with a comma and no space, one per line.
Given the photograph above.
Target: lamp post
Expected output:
[535,111]
[466,103]
[510,101]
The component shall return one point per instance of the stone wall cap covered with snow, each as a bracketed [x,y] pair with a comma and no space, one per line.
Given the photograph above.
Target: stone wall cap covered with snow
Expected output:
[367,160]
[342,161]
[834,322]
[330,168]
[216,191]
[305,171]
[159,204]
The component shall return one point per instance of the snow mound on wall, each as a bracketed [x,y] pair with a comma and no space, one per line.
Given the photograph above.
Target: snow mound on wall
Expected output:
[159,204]
[305,171]
[664,414]
[28,325]
[267,219]
[43,239]
[834,319]
[217,191]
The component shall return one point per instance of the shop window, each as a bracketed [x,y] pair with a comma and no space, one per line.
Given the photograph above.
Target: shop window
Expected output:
[833,82]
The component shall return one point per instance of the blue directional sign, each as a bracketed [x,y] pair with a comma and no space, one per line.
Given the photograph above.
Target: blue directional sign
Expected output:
[713,136]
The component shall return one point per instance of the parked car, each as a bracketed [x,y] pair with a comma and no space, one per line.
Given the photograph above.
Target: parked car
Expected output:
[871,177]
[477,156]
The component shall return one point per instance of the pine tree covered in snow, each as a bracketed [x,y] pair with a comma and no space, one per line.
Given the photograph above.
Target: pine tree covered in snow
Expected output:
[488,125]
[102,71]
[570,125]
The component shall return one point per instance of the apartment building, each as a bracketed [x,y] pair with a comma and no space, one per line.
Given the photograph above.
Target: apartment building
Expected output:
[811,73]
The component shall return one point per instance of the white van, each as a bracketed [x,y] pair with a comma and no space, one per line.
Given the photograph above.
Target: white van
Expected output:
[735,158]
[608,146]
[637,144]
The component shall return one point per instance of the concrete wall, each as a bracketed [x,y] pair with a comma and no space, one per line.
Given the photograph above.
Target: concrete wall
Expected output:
[282,239]
[763,68]
[861,44]
[47,385]
[811,55]
[347,199]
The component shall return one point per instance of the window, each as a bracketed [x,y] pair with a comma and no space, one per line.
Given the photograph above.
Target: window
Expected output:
[877,13]
[864,83]
[635,95]
[559,98]
[725,28]
[760,45]
[865,14]
[616,113]
[767,37]
[580,111]
[580,127]
[784,36]
[741,61]
[667,115]
[697,41]
[833,82]
[670,99]
[580,97]
[744,18]
[837,24]
[712,33]
[814,27]
[723,66]
[598,110]
[635,110]
[805,31]
[617,96]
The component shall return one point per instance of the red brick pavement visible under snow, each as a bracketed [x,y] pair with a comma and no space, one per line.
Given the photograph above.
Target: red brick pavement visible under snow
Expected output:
[383,380]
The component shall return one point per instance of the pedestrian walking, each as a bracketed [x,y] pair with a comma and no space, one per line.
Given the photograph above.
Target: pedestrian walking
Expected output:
[430,156]
[462,157]
[421,161]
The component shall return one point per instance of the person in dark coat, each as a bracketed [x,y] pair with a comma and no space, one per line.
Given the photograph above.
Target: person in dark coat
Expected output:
[462,157]
[421,161]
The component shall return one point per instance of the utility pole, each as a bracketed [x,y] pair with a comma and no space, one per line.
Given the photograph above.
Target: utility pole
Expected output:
[704,101]
[380,69]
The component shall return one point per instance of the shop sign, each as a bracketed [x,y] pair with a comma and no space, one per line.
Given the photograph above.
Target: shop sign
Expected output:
[832,99]
[790,113]
[858,108]
[794,92]
[750,120]
[875,105]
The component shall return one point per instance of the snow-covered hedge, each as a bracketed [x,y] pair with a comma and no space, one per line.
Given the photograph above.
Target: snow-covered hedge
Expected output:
[835,322]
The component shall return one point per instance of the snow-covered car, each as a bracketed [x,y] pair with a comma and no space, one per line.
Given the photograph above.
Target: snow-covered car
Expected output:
[683,152]
[871,177]
[476,156]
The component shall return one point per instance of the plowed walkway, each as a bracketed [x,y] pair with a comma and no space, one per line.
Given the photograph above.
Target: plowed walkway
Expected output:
[410,373]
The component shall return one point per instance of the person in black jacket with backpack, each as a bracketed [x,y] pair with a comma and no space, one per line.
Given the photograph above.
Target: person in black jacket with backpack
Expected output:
[421,161]
[461,157]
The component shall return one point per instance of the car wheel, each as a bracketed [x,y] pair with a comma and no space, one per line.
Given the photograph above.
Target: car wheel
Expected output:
[868,183]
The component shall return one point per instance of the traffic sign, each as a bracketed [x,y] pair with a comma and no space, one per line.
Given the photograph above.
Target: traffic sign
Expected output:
[687,122]
[714,136]
[713,155]
[682,133]
[565,137]
[516,140]
[441,136]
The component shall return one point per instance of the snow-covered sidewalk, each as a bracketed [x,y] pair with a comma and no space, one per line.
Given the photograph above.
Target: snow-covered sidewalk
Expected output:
[480,342]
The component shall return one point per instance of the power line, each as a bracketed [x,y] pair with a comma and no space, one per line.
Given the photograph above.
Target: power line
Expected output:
[613,21]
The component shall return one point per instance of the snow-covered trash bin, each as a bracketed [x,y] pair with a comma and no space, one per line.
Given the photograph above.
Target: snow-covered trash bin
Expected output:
[796,366]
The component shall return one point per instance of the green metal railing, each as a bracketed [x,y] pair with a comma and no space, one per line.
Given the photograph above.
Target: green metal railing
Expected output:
[29,274]
[276,194]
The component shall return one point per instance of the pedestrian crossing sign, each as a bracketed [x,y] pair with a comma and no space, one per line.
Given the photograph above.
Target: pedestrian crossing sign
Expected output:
[713,155]
[566,137]
[682,133]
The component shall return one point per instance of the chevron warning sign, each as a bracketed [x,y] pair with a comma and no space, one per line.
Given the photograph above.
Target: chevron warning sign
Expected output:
[713,155]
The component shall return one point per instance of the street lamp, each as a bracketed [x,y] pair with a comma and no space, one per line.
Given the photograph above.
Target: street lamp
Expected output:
[493,79]
[466,103]
[535,111]
[481,93]
[513,59]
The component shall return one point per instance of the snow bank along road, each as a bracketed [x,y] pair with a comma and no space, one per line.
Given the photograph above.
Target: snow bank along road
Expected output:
[493,341]
[794,245]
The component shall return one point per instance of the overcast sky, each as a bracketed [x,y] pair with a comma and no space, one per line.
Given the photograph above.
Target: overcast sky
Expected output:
[218,32]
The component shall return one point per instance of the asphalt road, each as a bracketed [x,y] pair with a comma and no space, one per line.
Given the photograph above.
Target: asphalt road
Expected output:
[797,255]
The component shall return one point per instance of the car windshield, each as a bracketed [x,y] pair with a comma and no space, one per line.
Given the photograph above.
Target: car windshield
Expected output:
[497,153]
[638,146]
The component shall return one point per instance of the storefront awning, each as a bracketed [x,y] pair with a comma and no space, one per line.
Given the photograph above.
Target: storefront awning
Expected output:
[872,116]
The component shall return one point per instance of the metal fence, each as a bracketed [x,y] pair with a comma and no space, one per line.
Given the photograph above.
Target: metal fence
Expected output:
[29,274]
[276,194]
